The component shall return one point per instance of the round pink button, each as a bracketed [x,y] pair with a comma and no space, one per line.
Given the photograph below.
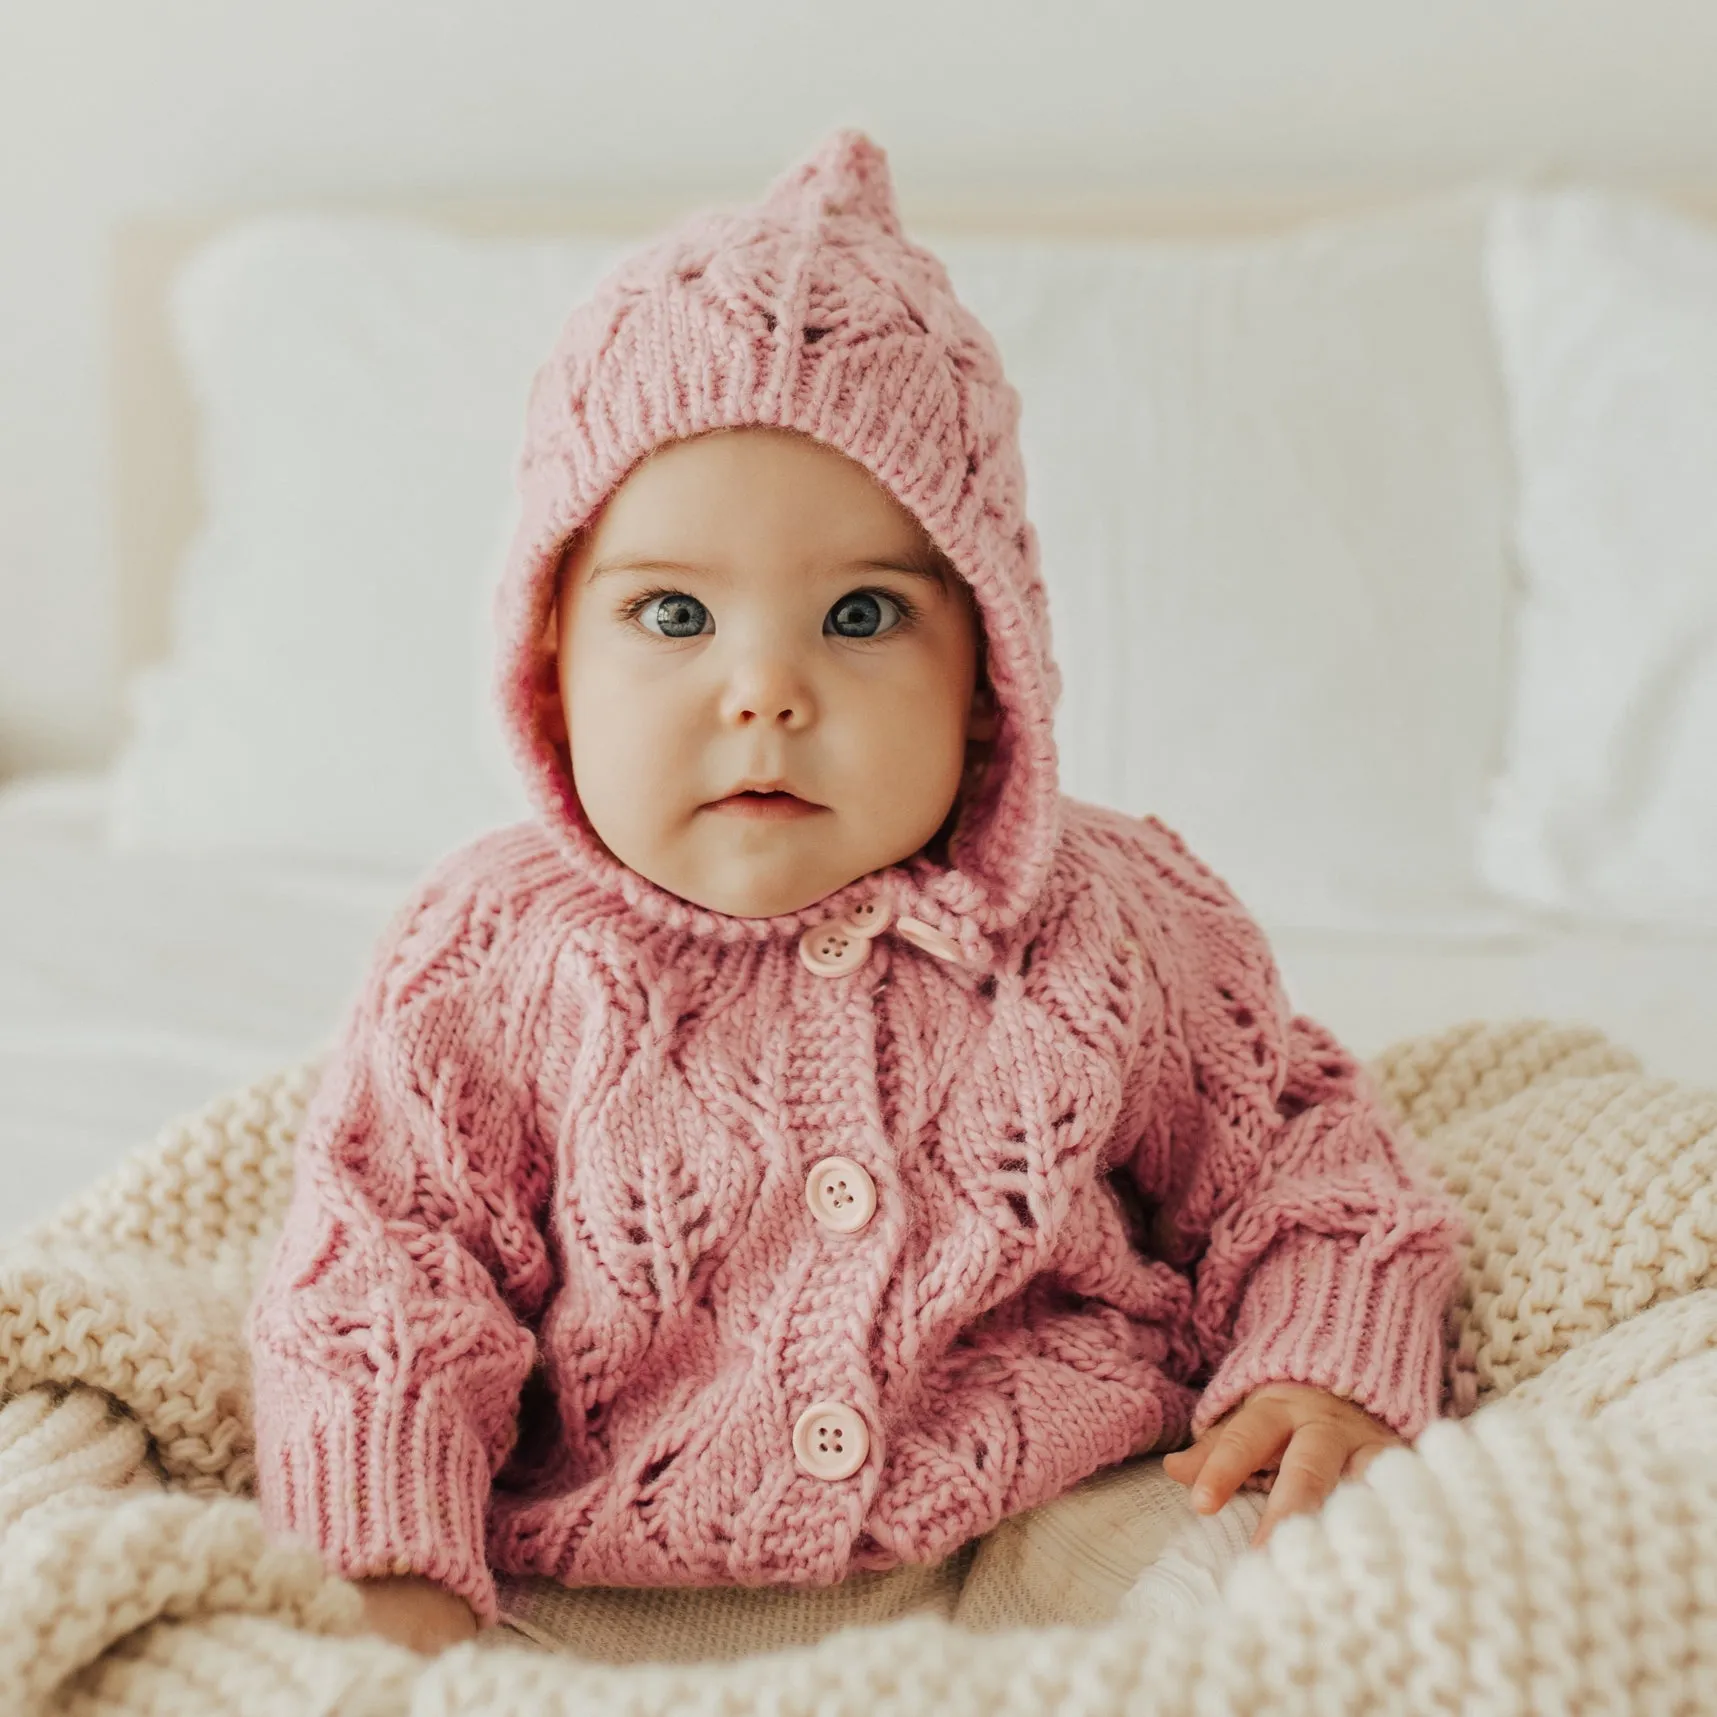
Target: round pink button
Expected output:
[841,1195]
[833,948]
[928,937]
[830,1440]
[869,918]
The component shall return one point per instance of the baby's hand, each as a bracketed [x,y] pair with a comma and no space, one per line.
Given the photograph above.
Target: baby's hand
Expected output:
[415,1612]
[1319,1438]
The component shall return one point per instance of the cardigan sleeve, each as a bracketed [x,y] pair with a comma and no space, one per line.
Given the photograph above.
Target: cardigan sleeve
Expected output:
[391,1336]
[1321,1251]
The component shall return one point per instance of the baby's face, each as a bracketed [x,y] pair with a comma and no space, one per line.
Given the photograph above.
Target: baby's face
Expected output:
[768,681]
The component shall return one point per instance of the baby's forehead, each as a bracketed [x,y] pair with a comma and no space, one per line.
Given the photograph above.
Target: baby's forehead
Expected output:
[753,506]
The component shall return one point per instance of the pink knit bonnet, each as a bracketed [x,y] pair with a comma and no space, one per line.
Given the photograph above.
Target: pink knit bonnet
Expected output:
[810,311]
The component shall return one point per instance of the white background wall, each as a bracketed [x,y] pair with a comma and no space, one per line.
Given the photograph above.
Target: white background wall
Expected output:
[112,108]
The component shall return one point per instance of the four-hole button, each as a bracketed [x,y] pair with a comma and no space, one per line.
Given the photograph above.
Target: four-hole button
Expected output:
[869,917]
[832,949]
[842,1196]
[830,1440]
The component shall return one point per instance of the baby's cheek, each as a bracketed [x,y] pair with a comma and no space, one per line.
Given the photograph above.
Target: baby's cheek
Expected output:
[615,786]
[911,769]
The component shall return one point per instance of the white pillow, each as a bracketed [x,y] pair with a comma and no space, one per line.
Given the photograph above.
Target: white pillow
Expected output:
[1270,477]
[1272,482]
[361,388]
[1606,319]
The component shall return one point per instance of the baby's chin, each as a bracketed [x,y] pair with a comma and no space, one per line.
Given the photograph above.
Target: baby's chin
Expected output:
[761,883]
[749,895]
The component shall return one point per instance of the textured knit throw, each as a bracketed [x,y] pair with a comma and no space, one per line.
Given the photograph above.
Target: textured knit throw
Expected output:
[639,1244]
[1551,1551]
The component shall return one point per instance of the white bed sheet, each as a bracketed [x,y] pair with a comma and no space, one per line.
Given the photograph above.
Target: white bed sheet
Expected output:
[134,987]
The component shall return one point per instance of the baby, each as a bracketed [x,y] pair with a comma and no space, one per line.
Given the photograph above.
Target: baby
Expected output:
[811,1140]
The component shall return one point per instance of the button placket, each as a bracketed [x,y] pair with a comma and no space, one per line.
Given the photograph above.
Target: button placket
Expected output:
[830,1439]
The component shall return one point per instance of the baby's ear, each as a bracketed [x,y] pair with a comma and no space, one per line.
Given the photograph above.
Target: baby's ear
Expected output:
[983,721]
[550,710]
[551,716]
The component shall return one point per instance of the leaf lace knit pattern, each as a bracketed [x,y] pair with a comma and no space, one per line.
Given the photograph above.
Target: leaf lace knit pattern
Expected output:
[1549,1551]
[1118,1188]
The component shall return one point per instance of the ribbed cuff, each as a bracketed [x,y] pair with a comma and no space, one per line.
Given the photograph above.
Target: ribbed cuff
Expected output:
[1328,1312]
[379,1486]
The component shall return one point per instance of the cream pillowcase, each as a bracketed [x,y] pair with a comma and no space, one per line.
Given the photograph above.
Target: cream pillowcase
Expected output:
[1606,318]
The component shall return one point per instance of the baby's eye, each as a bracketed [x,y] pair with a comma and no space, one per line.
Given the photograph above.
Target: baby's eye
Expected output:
[675,615]
[864,614]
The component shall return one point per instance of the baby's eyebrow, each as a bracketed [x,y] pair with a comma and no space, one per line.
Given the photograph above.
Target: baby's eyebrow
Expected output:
[925,569]
[643,563]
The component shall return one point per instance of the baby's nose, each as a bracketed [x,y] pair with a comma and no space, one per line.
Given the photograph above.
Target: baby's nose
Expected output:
[784,711]
[767,691]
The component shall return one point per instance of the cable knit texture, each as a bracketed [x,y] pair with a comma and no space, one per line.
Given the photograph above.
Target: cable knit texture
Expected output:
[1548,1552]
[552,1296]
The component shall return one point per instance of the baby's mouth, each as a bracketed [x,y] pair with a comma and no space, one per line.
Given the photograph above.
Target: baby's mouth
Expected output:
[766,803]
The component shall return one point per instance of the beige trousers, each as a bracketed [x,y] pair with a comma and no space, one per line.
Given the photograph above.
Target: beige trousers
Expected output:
[1126,1541]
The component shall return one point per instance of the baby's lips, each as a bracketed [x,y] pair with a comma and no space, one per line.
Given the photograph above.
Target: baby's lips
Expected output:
[765,789]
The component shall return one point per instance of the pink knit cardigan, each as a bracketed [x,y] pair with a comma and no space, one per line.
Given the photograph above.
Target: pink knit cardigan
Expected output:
[563,1155]
[634,1244]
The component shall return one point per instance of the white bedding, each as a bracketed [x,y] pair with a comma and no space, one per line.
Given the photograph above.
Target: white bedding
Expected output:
[134,987]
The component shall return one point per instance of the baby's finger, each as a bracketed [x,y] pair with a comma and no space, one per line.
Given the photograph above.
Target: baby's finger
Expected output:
[1310,1470]
[1248,1441]
[1185,1465]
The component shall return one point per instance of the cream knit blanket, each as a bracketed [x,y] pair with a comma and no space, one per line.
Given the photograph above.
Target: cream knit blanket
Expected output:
[1554,1551]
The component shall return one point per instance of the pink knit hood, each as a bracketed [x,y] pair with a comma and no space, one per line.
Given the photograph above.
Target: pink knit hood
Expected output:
[810,311]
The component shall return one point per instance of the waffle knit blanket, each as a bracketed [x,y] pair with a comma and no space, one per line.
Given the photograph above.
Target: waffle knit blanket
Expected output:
[1552,1547]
